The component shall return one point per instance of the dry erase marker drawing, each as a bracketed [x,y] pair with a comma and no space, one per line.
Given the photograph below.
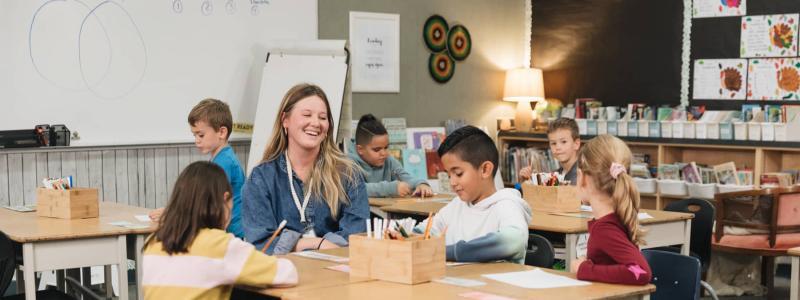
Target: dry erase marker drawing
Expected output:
[108,59]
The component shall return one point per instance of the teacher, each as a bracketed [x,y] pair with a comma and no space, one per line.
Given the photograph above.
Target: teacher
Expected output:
[304,179]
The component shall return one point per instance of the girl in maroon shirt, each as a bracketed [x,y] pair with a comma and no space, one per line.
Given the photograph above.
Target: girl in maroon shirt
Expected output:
[603,181]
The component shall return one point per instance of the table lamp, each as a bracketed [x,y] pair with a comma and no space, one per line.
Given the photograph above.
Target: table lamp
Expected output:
[524,85]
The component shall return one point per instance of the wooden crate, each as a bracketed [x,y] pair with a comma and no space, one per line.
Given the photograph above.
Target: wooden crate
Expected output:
[412,261]
[551,198]
[76,203]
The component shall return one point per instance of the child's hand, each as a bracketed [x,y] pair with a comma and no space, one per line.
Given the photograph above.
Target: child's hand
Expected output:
[403,189]
[525,174]
[156,214]
[576,264]
[423,190]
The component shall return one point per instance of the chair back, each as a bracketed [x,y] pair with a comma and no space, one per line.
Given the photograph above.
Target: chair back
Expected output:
[702,225]
[7,262]
[771,209]
[540,252]
[675,276]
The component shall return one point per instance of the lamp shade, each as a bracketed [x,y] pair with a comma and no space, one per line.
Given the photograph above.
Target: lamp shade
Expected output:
[524,84]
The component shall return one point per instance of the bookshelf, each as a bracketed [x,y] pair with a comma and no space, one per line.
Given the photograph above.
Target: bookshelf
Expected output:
[761,157]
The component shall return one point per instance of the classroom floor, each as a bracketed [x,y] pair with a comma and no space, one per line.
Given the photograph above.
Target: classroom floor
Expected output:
[781,286]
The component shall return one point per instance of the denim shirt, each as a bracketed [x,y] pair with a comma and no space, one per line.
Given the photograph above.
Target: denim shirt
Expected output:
[267,200]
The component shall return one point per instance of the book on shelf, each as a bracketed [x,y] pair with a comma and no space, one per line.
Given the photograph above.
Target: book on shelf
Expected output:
[707,175]
[745,177]
[669,172]
[640,170]
[726,173]
[777,179]
[396,128]
[691,173]
[433,164]
[414,163]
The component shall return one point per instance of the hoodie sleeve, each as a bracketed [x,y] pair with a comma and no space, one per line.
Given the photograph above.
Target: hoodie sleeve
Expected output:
[507,243]
[398,173]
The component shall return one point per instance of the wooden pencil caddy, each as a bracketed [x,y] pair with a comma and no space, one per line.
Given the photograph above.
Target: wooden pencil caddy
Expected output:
[410,261]
[75,203]
[559,199]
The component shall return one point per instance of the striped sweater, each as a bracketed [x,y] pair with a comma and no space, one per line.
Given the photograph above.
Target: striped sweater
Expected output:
[215,262]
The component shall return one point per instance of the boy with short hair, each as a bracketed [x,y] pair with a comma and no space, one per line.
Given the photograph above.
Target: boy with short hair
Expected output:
[565,141]
[211,122]
[482,223]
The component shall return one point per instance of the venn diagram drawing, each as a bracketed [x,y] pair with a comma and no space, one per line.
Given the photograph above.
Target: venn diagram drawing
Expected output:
[78,46]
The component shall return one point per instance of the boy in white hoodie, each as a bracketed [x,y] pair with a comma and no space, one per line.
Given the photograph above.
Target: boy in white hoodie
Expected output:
[482,224]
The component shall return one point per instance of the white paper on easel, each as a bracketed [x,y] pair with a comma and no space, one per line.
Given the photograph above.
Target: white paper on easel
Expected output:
[535,279]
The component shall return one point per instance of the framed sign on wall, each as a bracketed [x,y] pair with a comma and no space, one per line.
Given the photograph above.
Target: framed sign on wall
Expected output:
[375,45]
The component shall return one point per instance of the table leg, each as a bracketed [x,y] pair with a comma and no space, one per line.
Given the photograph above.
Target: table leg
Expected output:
[571,243]
[122,267]
[29,271]
[687,237]
[139,268]
[60,283]
[795,278]
[377,211]
[107,281]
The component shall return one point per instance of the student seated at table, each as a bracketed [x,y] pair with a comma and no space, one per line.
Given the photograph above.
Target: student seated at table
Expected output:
[482,223]
[565,141]
[385,175]
[190,256]
[614,232]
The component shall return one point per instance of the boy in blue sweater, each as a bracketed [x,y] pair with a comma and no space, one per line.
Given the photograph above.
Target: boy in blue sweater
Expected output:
[211,123]
[384,174]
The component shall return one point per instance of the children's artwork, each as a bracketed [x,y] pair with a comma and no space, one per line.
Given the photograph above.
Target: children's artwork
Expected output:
[396,127]
[719,79]
[718,8]
[773,79]
[427,138]
[726,173]
[769,36]
[414,163]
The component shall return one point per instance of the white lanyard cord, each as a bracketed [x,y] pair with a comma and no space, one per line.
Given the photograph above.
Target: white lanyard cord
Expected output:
[300,207]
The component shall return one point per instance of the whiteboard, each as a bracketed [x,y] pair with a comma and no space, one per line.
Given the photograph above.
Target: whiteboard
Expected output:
[322,62]
[128,72]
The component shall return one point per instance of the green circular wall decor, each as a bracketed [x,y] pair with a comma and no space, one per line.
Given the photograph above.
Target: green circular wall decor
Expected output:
[435,33]
[459,42]
[441,66]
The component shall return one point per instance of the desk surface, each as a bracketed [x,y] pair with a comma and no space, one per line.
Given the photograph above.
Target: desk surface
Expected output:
[313,274]
[381,202]
[386,290]
[27,227]
[541,220]
[794,251]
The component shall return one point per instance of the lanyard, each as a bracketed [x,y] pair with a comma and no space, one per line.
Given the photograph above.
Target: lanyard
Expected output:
[300,207]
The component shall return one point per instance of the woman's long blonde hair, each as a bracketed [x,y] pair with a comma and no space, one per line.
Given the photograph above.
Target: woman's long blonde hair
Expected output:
[332,165]
[595,159]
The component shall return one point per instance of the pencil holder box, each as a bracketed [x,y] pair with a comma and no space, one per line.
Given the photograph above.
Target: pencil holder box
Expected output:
[410,261]
[75,203]
[633,128]
[780,132]
[754,131]
[582,126]
[688,130]
[677,129]
[768,132]
[622,128]
[701,130]
[740,131]
[551,198]
[712,131]
[591,127]
[655,129]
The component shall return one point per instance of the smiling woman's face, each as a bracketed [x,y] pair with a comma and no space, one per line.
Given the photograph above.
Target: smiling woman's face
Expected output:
[307,123]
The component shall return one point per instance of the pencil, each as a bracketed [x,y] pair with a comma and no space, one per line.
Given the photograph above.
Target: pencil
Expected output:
[428,226]
[274,234]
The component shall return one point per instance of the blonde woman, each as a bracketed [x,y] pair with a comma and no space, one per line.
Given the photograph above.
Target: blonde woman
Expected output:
[304,179]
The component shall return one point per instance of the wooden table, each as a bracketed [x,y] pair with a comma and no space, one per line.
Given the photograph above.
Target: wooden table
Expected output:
[368,290]
[376,203]
[56,244]
[313,274]
[664,229]
[795,276]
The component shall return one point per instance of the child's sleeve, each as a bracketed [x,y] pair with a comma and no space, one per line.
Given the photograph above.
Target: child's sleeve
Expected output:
[509,240]
[631,267]
[244,265]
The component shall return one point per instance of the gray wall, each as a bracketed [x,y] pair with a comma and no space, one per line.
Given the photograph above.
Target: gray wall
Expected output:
[474,93]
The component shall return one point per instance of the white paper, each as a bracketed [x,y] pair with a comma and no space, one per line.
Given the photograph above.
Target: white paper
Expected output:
[455,264]
[582,245]
[769,36]
[719,79]
[774,79]
[717,8]
[321,256]
[586,208]
[22,208]
[535,279]
[644,216]
[143,218]
[460,281]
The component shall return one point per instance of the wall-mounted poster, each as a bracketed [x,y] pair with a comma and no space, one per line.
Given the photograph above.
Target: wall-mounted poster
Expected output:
[718,8]
[773,79]
[375,46]
[719,79]
[769,36]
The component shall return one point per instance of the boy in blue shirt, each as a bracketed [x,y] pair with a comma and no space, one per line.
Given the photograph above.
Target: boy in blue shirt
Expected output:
[211,122]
